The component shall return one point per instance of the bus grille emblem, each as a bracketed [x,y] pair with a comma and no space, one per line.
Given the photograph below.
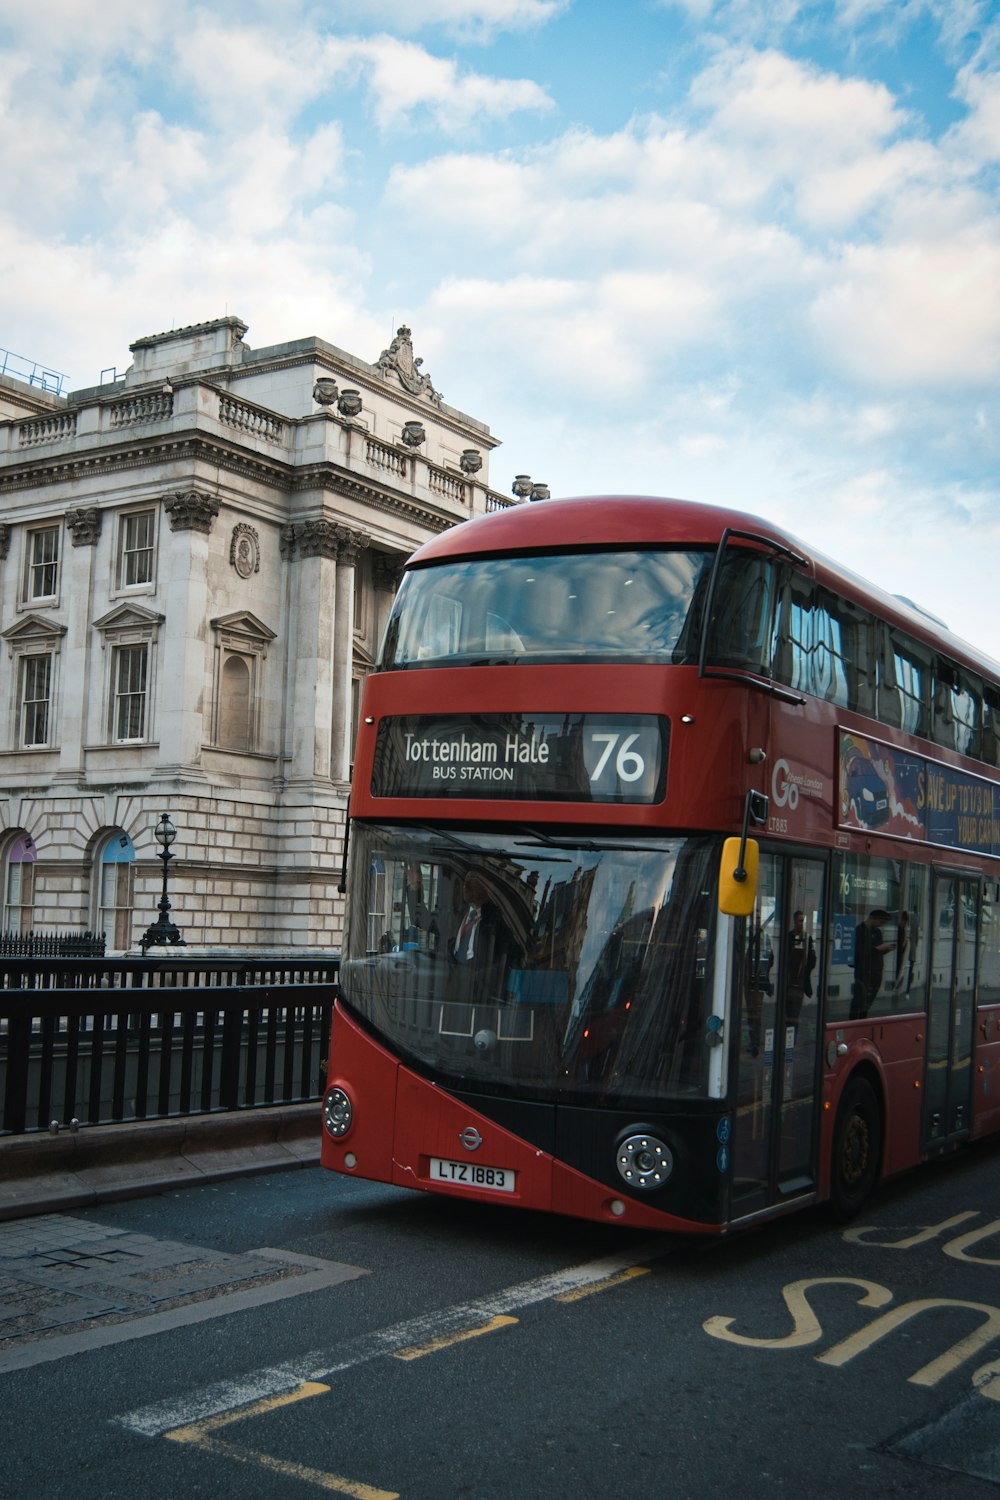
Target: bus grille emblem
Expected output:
[470,1138]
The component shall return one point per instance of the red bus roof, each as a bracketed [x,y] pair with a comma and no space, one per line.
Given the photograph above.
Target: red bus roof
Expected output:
[650,521]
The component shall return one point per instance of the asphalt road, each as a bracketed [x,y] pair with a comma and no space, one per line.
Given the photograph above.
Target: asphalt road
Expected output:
[299,1334]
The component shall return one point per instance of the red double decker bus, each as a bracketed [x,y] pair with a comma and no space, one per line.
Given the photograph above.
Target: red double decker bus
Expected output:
[672,878]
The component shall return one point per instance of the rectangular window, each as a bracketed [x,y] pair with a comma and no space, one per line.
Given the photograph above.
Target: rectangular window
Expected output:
[991,725]
[136,535]
[115,913]
[913,679]
[957,700]
[36,693]
[850,636]
[878,957]
[19,897]
[41,574]
[129,699]
[794,662]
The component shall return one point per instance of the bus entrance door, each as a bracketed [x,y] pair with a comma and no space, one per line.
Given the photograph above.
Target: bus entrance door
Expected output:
[774,1133]
[951,1010]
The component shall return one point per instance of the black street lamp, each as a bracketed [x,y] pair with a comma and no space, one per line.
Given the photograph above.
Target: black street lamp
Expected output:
[163,930]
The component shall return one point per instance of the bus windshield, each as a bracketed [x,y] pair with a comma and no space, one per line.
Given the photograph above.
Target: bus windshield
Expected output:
[593,606]
[577,970]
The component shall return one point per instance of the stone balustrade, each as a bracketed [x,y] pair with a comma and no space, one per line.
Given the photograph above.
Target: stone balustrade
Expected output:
[55,428]
[254,421]
[154,406]
[448,486]
[384,456]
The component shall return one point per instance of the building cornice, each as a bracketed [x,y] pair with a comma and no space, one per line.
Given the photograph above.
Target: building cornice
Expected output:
[190,446]
[193,448]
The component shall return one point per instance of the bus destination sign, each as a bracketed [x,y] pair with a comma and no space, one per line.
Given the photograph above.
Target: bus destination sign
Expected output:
[576,757]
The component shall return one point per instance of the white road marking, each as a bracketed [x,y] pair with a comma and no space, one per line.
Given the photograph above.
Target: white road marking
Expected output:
[321,1364]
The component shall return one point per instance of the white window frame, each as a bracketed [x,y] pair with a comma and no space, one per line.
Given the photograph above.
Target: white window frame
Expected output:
[33,591]
[126,551]
[11,922]
[126,628]
[115,878]
[125,698]
[29,707]
[31,638]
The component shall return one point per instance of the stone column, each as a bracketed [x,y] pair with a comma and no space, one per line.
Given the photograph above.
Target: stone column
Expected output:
[76,665]
[182,668]
[341,748]
[387,570]
[313,546]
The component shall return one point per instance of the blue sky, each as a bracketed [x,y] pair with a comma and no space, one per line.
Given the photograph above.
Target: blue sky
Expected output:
[744,251]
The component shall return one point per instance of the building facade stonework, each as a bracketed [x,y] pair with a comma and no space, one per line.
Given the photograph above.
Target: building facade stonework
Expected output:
[197,562]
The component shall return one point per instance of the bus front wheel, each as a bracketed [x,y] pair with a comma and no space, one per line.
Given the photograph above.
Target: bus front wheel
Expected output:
[857,1149]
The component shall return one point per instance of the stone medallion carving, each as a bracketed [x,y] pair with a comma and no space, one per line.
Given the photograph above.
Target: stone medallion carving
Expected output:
[244,550]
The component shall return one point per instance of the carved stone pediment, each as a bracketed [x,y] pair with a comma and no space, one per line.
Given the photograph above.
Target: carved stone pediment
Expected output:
[362,658]
[33,630]
[243,628]
[130,618]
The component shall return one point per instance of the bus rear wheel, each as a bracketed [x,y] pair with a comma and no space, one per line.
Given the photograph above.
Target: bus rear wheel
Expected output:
[857,1149]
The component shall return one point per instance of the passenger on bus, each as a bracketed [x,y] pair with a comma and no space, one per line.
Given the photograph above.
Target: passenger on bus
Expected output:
[482,945]
[420,917]
[869,950]
[904,956]
[800,960]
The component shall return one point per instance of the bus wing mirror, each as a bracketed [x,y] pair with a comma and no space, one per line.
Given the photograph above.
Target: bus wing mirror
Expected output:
[738,876]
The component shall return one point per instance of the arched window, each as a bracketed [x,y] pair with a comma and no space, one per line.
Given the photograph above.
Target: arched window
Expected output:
[19,884]
[115,872]
[234,704]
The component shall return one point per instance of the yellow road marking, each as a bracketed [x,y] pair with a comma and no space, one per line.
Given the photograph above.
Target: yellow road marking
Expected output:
[197,1430]
[198,1434]
[417,1351]
[629,1274]
[945,1364]
[334,1483]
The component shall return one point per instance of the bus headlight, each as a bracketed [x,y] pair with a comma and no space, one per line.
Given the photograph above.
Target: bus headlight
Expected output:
[644,1161]
[337,1113]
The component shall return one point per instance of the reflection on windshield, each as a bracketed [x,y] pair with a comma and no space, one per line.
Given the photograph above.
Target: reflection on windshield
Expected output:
[632,606]
[577,973]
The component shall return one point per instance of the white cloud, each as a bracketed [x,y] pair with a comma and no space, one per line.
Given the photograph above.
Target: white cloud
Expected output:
[406,79]
[978,136]
[779,292]
[915,314]
[588,338]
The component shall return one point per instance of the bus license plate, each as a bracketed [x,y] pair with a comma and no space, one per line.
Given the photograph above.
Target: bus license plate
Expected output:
[472,1174]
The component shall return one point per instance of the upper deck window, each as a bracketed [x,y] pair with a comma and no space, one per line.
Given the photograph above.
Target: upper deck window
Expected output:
[573,606]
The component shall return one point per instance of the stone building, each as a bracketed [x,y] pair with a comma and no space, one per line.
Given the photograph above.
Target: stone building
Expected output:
[196,564]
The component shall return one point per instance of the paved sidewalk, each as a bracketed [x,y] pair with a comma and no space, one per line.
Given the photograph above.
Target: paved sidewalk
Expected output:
[69,1285]
[45,1174]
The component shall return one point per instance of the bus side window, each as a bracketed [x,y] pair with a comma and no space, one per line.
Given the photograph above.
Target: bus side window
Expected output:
[991,726]
[742,627]
[913,681]
[889,709]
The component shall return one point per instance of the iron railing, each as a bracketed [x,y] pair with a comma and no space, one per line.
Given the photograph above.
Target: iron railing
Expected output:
[52,945]
[98,1041]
